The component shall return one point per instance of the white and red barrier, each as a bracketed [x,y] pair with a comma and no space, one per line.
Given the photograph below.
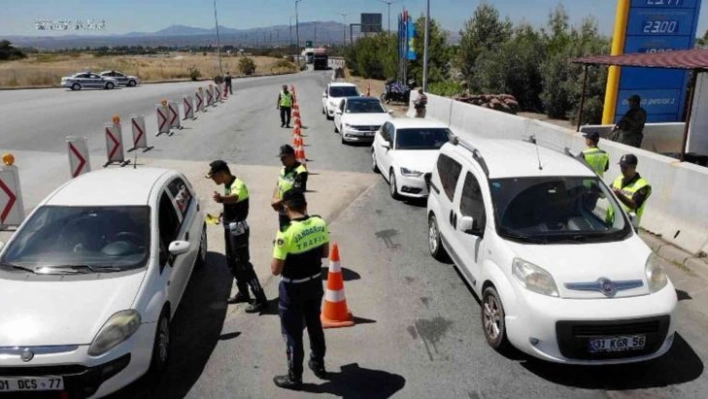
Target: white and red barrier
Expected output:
[188,107]
[114,145]
[79,162]
[199,96]
[210,96]
[174,114]
[163,119]
[12,212]
[139,137]
[217,94]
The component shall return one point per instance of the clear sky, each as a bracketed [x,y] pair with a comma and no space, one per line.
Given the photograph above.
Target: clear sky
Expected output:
[123,16]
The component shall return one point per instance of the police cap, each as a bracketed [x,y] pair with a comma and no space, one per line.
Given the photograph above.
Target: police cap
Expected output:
[286,150]
[216,167]
[628,160]
[592,136]
[294,196]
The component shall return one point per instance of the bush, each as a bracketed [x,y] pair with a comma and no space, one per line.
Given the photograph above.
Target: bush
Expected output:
[194,73]
[445,89]
[247,66]
[285,64]
[9,53]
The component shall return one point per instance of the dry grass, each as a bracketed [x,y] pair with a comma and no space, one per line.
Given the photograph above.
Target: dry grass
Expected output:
[48,69]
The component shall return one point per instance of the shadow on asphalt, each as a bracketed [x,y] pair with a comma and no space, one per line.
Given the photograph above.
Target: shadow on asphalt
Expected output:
[196,328]
[347,274]
[356,382]
[680,365]
[416,202]
[683,295]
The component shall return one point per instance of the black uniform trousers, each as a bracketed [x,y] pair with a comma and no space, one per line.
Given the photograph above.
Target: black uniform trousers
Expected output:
[238,259]
[285,115]
[299,307]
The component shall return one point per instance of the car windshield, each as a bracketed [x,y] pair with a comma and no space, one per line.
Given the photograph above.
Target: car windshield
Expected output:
[68,239]
[343,91]
[364,107]
[545,210]
[421,138]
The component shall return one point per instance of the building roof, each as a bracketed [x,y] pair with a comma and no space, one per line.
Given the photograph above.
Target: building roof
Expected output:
[682,59]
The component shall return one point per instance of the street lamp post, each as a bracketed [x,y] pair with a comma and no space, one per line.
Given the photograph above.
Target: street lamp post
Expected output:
[389,2]
[218,41]
[344,17]
[297,33]
[427,44]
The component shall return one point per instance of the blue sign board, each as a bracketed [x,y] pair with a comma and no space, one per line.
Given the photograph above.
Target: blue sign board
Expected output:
[658,26]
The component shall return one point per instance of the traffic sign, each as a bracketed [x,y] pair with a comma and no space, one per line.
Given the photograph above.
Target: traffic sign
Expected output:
[11,209]
[78,156]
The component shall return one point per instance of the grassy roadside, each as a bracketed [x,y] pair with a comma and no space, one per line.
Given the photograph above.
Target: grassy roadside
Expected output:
[47,69]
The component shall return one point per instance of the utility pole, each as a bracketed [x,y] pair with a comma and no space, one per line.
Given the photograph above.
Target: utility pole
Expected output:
[389,2]
[427,44]
[218,41]
[314,40]
[344,17]
[297,34]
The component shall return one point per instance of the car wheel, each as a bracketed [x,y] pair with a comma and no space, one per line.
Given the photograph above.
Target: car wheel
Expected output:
[161,347]
[336,130]
[329,118]
[109,86]
[434,241]
[203,249]
[493,321]
[76,86]
[132,83]
[392,185]
[324,112]
[374,164]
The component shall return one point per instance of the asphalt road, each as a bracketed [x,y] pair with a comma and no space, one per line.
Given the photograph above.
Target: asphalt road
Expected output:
[418,332]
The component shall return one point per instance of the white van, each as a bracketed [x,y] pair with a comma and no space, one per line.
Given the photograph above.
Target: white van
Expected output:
[560,276]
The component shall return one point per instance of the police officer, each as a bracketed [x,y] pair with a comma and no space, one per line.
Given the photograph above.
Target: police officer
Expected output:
[293,175]
[598,159]
[236,234]
[420,104]
[631,125]
[630,188]
[285,104]
[297,257]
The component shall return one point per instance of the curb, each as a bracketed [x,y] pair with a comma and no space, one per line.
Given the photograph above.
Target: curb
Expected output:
[152,82]
[675,255]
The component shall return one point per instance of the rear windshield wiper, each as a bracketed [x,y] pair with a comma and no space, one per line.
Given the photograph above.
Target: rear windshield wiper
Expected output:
[18,267]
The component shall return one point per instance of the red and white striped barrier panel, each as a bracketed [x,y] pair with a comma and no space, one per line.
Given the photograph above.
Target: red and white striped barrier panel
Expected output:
[139,137]
[163,119]
[12,212]
[210,96]
[188,107]
[174,114]
[114,145]
[217,94]
[199,98]
[79,162]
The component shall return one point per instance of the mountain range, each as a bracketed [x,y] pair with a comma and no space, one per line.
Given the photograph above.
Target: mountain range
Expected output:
[321,33]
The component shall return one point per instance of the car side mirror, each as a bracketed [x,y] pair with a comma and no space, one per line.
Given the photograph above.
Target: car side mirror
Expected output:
[468,226]
[386,145]
[632,219]
[324,95]
[390,112]
[179,247]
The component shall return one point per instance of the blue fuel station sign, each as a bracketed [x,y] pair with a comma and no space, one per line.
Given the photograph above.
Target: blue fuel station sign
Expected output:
[655,26]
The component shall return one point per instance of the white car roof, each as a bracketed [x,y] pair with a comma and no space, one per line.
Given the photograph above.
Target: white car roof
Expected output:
[109,187]
[342,84]
[517,158]
[111,71]
[406,123]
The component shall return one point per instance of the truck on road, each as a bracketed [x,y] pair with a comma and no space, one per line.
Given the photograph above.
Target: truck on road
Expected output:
[320,59]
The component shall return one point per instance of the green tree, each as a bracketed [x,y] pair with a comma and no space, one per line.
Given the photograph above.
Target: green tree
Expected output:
[8,52]
[373,57]
[438,53]
[247,66]
[485,31]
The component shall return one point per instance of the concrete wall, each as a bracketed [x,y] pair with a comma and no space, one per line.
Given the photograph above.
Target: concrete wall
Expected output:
[658,137]
[678,207]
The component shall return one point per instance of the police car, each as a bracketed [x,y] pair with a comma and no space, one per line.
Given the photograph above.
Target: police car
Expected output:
[91,280]
[561,273]
[123,79]
[89,80]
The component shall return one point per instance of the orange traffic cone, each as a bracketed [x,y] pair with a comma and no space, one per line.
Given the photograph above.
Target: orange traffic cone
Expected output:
[368,90]
[300,155]
[298,124]
[297,131]
[296,113]
[296,107]
[297,141]
[336,313]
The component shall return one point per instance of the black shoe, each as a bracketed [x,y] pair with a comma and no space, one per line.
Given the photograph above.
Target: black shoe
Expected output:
[287,126]
[318,368]
[256,306]
[288,381]
[240,298]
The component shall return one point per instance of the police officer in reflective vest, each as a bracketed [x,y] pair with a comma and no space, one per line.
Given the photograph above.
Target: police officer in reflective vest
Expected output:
[293,175]
[630,188]
[598,159]
[236,234]
[297,258]
[285,104]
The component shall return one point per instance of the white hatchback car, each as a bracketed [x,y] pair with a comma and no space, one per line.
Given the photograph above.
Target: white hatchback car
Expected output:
[92,278]
[543,242]
[404,152]
[334,93]
[359,118]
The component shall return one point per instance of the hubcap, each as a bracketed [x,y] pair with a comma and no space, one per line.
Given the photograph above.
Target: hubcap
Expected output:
[164,339]
[492,317]
[433,236]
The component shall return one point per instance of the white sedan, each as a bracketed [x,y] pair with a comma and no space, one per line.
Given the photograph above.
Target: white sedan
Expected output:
[404,152]
[334,93]
[359,118]
[90,282]
[89,80]
[123,79]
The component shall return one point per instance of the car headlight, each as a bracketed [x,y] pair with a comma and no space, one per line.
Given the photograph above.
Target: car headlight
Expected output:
[656,276]
[534,278]
[348,126]
[410,173]
[117,329]
[332,104]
